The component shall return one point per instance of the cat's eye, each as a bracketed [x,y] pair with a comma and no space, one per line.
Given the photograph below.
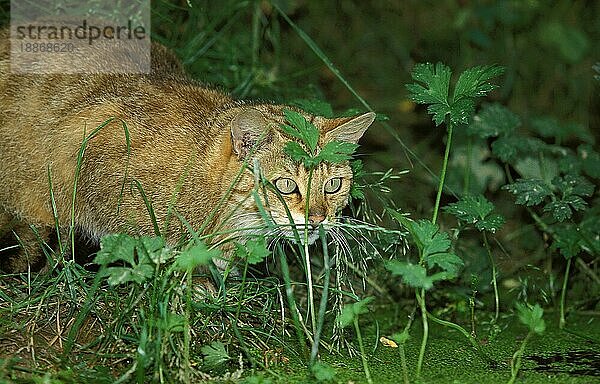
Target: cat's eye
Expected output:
[285,185]
[333,185]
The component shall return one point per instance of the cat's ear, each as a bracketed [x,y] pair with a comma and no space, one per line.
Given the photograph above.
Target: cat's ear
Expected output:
[247,127]
[350,130]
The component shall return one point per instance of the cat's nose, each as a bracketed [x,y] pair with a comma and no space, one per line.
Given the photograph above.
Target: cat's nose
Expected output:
[315,219]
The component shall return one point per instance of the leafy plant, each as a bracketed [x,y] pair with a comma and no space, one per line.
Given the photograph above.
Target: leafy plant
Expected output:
[477,211]
[349,315]
[531,316]
[433,88]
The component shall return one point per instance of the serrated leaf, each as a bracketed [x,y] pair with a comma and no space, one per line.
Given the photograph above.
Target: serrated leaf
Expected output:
[296,152]
[492,121]
[197,255]
[529,192]
[573,185]
[215,355]
[336,152]
[531,316]
[462,110]
[492,223]
[449,262]
[550,127]
[567,240]
[476,210]
[435,92]
[473,82]
[301,128]
[351,311]
[254,250]
[560,210]
[413,275]
[113,248]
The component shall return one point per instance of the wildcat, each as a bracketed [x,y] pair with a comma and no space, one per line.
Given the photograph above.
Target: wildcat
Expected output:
[180,143]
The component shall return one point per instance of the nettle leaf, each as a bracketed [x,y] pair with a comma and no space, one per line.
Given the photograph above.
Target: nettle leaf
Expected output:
[215,355]
[474,82]
[529,191]
[301,129]
[413,275]
[197,255]
[531,316]
[352,311]
[254,250]
[476,210]
[492,121]
[336,152]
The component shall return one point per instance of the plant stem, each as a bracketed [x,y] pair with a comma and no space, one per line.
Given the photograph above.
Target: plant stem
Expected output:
[323,304]
[285,271]
[443,173]
[421,301]
[311,299]
[515,363]
[494,279]
[362,351]
[563,294]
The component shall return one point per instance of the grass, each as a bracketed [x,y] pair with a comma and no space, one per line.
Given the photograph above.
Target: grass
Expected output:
[157,321]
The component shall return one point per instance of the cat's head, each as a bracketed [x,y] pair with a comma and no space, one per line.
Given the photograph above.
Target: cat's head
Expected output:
[256,135]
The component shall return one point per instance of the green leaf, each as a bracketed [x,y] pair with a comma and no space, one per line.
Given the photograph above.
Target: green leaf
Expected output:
[549,127]
[214,354]
[138,255]
[529,192]
[476,210]
[336,152]
[172,323]
[401,337]
[254,250]
[572,189]
[494,120]
[434,90]
[352,311]
[301,129]
[114,248]
[531,316]
[449,262]
[474,82]
[313,106]
[437,83]
[413,275]
[323,371]
[197,255]
[567,240]
[296,152]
